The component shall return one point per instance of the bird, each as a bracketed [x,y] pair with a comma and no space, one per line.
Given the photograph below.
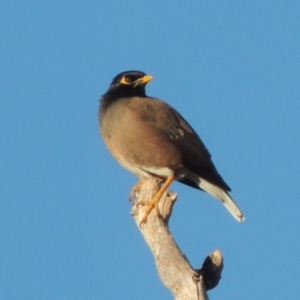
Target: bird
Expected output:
[151,139]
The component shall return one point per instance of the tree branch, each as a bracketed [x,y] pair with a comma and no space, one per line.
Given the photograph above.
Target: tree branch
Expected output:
[173,267]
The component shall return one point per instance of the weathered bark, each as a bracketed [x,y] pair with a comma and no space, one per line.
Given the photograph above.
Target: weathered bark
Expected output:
[173,267]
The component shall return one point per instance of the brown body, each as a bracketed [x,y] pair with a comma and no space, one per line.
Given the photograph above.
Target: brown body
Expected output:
[150,150]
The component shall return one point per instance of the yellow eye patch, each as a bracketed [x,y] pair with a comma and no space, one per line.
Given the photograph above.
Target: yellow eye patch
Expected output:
[127,80]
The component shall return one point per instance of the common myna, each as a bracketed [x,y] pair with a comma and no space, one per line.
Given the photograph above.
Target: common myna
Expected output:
[151,139]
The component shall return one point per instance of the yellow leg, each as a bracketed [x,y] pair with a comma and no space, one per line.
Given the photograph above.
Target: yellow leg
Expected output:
[155,200]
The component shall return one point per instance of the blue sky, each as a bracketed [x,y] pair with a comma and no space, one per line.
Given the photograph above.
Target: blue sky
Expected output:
[231,69]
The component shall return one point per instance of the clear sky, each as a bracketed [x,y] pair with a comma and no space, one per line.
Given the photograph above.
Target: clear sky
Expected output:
[231,69]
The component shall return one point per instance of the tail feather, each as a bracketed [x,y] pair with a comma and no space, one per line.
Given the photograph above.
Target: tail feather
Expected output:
[224,197]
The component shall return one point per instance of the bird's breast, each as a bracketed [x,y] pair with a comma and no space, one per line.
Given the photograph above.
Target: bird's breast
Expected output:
[137,144]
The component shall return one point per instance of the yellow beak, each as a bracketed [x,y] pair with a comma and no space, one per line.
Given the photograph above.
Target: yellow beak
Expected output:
[143,80]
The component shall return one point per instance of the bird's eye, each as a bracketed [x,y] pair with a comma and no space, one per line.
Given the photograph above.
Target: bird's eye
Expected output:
[127,80]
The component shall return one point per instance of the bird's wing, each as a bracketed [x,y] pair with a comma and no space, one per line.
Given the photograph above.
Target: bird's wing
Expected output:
[195,156]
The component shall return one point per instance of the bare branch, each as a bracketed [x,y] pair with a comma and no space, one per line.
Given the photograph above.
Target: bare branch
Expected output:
[173,267]
[212,269]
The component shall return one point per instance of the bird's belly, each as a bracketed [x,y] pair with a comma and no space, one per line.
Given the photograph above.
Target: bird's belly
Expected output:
[141,170]
[141,161]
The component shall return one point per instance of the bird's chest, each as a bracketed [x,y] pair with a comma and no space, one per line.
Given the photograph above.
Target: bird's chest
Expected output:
[135,144]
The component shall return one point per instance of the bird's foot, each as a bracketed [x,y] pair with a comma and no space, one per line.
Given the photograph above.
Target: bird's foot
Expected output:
[155,200]
[152,204]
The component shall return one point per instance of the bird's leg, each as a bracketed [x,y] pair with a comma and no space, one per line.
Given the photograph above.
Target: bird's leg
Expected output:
[155,200]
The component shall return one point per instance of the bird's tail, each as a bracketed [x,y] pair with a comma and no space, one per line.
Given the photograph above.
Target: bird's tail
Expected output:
[224,197]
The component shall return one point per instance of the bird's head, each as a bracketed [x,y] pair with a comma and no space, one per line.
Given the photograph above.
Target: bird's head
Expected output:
[129,84]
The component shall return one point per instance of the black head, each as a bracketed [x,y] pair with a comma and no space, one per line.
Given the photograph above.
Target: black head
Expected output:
[128,84]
